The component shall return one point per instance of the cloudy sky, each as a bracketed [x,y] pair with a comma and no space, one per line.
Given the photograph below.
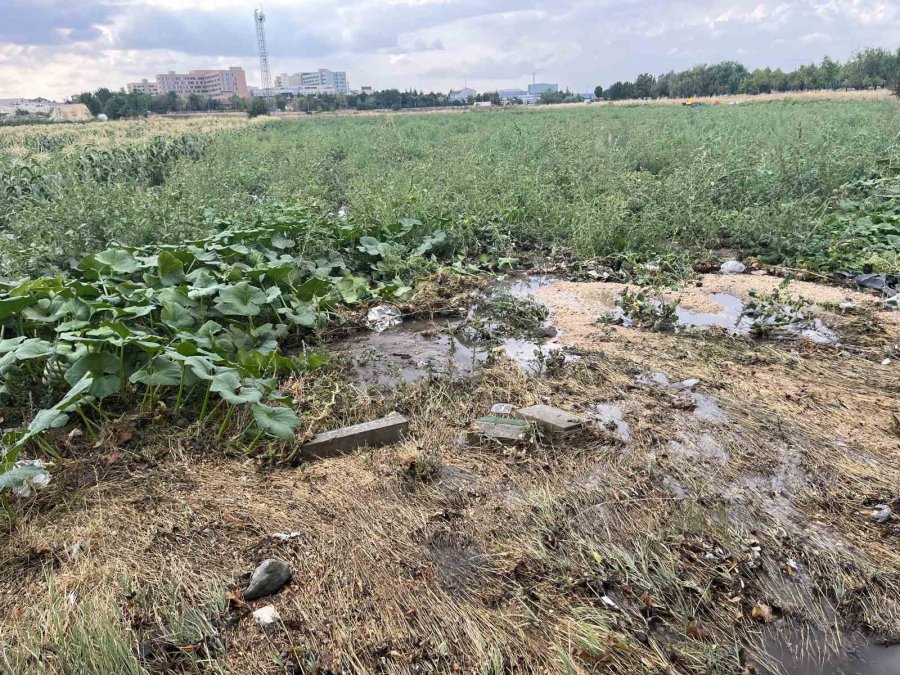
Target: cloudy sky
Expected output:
[54,48]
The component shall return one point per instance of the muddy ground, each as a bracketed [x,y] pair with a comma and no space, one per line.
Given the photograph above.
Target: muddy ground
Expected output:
[714,516]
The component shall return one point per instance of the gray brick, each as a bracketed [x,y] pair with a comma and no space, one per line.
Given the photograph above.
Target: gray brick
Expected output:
[377,432]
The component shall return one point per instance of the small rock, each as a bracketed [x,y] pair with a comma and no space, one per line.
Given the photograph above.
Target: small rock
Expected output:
[886,362]
[549,332]
[266,615]
[502,409]
[876,281]
[733,267]
[881,513]
[683,402]
[269,578]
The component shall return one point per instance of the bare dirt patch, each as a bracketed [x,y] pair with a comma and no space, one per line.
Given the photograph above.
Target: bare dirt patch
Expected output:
[690,528]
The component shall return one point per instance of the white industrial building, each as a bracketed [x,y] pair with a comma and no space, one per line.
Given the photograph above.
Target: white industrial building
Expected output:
[321,81]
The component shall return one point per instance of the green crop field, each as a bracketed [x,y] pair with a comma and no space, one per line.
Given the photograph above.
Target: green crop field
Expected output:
[633,182]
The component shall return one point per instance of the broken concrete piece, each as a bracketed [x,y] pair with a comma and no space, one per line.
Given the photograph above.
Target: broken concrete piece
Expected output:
[268,578]
[498,429]
[382,431]
[502,409]
[551,419]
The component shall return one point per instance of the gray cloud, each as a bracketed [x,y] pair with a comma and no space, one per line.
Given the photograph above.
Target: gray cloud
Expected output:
[27,22]
[426,44]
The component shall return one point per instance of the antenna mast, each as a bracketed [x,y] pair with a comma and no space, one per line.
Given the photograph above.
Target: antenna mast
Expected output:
[265,74]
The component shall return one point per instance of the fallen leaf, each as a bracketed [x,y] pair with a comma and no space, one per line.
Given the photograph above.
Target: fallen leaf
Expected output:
[695,631]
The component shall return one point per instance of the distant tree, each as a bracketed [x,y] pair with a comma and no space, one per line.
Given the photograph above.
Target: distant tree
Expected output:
[195,102]
[281,101]
[644,85]
[598,91]
[258,106]
[237,103]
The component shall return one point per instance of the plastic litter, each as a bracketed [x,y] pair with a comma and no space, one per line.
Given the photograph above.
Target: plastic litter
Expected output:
[732,267]
[383,317]
[285,536]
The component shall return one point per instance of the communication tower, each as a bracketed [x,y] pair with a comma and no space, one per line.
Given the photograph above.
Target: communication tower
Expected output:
[267,90]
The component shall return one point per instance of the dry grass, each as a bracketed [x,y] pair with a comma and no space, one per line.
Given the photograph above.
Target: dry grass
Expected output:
[584,554]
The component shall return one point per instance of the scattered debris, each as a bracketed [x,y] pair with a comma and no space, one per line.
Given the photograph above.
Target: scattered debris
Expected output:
[382,431]
[285,536]
[733,267]
[266,616]
[551,419]
[686,385]
[382,317]
[268,579]
[502,409]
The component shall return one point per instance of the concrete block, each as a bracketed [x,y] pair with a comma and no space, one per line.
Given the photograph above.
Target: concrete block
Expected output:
[500,431]
[551,419]
[382,431]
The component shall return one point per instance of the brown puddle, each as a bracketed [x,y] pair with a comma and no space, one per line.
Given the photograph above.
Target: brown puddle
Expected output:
[421,348]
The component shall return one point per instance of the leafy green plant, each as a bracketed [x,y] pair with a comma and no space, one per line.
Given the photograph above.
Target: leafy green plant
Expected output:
[772,311]
[645,309]
[197,322]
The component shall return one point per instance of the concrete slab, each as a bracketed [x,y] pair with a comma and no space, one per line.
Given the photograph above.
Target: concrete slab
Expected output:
[382,431]
[551,419]
[508,434]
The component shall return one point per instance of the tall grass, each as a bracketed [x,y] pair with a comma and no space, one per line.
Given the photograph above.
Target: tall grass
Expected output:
[604,180]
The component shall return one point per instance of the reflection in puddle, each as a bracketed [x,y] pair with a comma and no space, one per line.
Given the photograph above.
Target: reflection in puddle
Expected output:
[611,418]
[797,653]
[730,318]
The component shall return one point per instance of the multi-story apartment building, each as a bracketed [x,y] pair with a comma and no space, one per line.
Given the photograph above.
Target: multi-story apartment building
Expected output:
[143,87]
[321,81]
[219,84]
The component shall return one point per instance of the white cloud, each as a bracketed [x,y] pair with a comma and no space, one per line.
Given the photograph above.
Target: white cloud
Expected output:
[57,47]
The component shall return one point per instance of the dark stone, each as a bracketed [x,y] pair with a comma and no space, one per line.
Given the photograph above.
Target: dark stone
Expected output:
[269,578]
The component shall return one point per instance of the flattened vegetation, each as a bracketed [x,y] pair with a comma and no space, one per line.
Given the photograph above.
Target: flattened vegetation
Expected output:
[728,529]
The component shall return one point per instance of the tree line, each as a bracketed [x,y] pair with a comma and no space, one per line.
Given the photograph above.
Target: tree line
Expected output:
[866,69]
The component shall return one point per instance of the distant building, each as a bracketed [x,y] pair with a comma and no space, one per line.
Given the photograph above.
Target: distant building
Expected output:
[530,96]
[588,96]
[507,96]
[32,106]
[462,95]
[218,84]
[542,88]
[321,81]
[143,87]
[482,104]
